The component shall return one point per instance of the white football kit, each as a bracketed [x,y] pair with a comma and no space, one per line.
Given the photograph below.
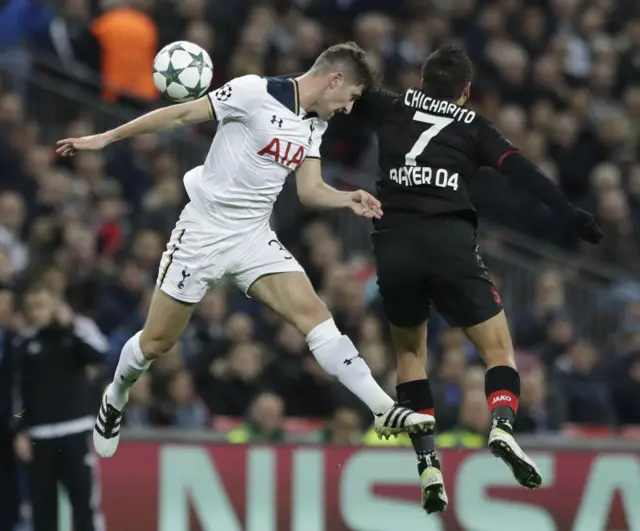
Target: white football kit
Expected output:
[263,135]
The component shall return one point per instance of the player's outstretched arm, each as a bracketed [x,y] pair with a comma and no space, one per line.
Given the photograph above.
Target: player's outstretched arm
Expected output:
[498,152]
[192,112]
[315,193]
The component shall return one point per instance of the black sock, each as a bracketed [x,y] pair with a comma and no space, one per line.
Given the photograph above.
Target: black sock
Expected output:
[502,388]
[416,395]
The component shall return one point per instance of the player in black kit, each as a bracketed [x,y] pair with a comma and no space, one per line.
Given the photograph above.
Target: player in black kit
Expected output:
[426,247]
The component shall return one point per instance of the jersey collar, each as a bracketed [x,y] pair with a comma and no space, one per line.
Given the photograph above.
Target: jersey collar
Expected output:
[296,96]
[285,91]
[296,103]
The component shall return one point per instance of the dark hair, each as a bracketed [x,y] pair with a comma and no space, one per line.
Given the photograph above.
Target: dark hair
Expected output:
[446,73]
[349,58]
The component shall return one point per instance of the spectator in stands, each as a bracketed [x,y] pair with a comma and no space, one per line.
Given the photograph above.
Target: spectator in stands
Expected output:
[20,22]
[52,354]
[531,323]
[285,369]
[12,220]
[162,373]
[446,386]
[344,427]
[473,426]
[587,398]
[7,271]
[126,70]
[182,407]
[629,69]
[141,412]
[205,333]
[232,382]
[626,388]
[541,408]
[621,248]
[560,335]
[264,422]
[9,476]
[119,304]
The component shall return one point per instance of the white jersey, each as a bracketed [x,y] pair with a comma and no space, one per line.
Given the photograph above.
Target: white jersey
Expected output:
[263,136]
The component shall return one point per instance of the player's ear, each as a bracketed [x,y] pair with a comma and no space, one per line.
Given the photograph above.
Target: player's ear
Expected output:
[335,79]
[466,94]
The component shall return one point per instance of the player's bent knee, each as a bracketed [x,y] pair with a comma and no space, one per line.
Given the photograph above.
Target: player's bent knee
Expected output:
[314,311]
[309,315]
[155,345]
[167,320]
[308,311]
[410,342]
[501,356]
[493,341]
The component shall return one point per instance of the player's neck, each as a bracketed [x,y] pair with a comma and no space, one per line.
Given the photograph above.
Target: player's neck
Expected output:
[310,88]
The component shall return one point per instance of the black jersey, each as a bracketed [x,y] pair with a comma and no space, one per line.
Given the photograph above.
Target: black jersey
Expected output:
[429,149]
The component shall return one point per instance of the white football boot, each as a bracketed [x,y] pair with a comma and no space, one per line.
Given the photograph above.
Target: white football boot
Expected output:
[398,419]
[503,445]
[106,431]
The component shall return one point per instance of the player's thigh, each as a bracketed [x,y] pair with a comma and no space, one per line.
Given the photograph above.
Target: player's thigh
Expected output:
[259,254]
[462,288]
[267,272]
[166,321]
[466,301]
[291,295]
[188,267]
[184,274]
[403,290]
[493,341]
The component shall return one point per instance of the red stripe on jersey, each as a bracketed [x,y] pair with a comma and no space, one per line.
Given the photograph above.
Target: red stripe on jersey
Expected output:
[505,155]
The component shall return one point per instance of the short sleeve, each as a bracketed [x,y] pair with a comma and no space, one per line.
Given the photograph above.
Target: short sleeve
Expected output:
[318,129]
[493,146]
[238,99]
[374,105]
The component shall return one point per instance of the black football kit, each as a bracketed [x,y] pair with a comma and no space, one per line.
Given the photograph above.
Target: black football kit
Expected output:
[426,243]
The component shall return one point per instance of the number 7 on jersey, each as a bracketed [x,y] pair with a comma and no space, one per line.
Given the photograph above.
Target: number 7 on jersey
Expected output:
[438,123]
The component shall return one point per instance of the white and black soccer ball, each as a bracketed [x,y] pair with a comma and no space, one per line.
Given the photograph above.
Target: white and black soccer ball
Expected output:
[182,71]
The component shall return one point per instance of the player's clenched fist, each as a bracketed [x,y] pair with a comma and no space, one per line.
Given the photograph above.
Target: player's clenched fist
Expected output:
[586,225]
[364,204]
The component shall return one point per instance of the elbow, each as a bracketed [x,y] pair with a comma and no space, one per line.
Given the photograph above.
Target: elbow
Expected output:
[307,192]
[185,114]
[181,120]
[305,198]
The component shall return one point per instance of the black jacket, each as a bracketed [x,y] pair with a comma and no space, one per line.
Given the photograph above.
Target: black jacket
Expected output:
[51,364]
[6,380]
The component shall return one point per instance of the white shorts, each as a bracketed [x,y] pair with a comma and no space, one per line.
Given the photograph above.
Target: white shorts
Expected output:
[200,253]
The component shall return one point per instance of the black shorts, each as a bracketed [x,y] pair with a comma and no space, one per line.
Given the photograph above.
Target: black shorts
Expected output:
[434,260]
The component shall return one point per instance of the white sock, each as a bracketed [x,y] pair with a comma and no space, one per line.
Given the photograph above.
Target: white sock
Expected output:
[131,366]
[337,355]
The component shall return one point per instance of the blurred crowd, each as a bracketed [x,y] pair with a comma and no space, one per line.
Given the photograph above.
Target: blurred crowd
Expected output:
[561,78]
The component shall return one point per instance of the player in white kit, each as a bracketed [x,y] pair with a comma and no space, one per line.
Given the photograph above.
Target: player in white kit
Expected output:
[268,128]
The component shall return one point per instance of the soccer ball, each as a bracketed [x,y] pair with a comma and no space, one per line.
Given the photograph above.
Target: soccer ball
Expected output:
[182,71]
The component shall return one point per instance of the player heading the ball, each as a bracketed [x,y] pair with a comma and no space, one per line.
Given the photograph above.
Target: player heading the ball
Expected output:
[268,128]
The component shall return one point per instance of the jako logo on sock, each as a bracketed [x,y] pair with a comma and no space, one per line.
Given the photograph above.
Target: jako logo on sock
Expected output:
[501,398]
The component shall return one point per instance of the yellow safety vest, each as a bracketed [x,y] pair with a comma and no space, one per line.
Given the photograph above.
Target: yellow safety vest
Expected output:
[460,439]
